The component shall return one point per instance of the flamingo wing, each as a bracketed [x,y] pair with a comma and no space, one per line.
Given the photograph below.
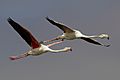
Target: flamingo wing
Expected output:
[61,26]
[25,34]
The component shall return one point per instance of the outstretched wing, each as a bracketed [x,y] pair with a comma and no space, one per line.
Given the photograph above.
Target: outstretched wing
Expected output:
[25,34]
[61,26]
[94,41]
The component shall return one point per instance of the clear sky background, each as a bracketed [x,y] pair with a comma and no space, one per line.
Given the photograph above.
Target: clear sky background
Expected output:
[85,62]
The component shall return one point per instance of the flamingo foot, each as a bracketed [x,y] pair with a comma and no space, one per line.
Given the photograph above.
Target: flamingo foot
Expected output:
[14,57]
[18,57]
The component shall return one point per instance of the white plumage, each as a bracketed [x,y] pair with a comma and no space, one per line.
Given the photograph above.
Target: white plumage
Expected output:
[70,34]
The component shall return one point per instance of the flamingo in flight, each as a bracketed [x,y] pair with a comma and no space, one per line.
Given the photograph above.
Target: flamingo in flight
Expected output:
[70,34]
[36,47]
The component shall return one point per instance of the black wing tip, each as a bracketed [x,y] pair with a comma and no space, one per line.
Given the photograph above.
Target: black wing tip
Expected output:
[50,20]
[9,19]
[47,18]
[107,45]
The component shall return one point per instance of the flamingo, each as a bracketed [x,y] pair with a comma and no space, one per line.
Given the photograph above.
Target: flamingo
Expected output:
[70,34]
[36,47]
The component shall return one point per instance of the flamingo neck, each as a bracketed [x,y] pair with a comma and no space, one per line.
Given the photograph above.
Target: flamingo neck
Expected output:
[56,51]
[93,36]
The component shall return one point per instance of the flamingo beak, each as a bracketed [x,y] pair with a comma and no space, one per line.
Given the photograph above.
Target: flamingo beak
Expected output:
[71,49]
[108,38]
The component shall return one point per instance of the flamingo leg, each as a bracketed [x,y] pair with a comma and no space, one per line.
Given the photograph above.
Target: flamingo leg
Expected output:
[54,43]
[57,38]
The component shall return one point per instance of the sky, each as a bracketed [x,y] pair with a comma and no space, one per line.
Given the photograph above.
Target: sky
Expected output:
[85,62]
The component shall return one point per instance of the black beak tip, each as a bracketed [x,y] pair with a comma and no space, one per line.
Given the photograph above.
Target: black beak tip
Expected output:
[70,49]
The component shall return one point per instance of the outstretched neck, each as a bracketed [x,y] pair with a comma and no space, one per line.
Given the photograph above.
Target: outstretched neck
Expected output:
[56,51]
[61,50]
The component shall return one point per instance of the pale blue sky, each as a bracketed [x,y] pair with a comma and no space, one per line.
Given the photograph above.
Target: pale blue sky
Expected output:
[85,62]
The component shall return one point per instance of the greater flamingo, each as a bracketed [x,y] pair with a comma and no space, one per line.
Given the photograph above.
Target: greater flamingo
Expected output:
[36,47]
[70,34]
